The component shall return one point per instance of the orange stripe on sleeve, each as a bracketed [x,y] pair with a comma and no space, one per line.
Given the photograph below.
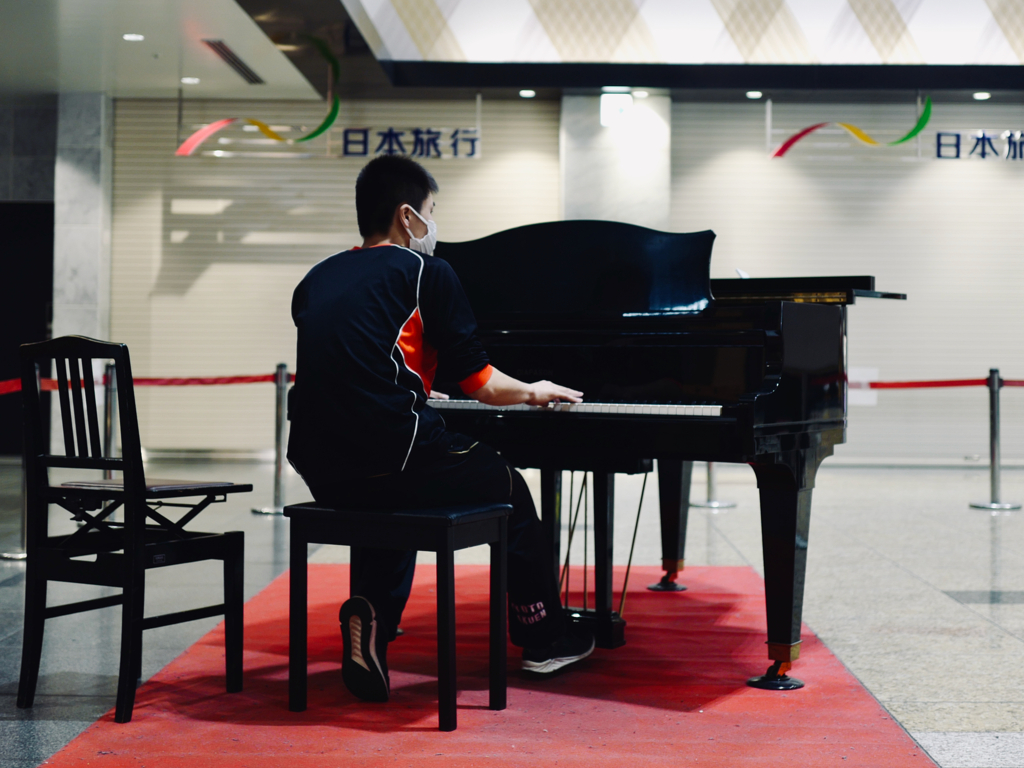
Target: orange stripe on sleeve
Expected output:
[472,383]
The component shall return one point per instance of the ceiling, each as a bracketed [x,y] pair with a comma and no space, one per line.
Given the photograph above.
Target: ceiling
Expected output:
[52,46]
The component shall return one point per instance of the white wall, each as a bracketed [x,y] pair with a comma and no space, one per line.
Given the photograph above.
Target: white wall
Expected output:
[214,304]
[948,233]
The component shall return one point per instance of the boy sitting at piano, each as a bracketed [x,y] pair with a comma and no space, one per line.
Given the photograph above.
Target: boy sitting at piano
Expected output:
[374,323]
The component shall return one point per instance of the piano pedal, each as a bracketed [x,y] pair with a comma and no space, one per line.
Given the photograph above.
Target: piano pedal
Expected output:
[772,680]
[668,583]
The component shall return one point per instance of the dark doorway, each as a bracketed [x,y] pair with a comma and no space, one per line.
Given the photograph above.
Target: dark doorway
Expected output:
[26,296]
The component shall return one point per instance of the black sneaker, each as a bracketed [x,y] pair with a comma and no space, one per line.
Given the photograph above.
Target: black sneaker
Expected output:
[561,653]
[364,665]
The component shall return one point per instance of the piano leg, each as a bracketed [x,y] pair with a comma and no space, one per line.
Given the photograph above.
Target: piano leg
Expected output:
[551,512]
[785,488]
[606,624]
[674,496]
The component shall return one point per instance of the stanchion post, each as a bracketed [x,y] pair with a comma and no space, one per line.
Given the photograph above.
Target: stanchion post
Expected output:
[109,414]
[995,383]
[21,552]
[713,501]
[280,427]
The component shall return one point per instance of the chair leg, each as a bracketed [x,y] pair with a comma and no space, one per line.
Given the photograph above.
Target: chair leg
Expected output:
[234,579]
[446,715]
[32,644]
[297,621]
[499,618]
[130,668]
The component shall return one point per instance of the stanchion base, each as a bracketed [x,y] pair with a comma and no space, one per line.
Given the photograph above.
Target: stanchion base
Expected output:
[773,681]
[667,585]
[16,555]
[268,511]
[713,504]
[995,505]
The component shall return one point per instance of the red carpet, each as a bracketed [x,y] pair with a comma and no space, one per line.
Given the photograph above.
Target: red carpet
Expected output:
[674,695]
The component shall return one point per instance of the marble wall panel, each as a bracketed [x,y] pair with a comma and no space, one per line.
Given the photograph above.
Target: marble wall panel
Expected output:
[81,123]
[77,187]
[81,189]
[6,163]
[31,178]
[620,172]
[27,147]
[76,266]
[35,131]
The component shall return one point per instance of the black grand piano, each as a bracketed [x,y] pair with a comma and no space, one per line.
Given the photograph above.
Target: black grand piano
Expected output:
[675,367]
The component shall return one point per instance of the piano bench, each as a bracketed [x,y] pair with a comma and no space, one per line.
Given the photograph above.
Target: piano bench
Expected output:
[442,530]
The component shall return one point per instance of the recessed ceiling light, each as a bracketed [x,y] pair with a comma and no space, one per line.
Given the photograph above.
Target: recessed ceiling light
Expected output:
[527,93]
[615,89]
[640,94]
[754,94]
[133,37]
[190,80]
[982,96]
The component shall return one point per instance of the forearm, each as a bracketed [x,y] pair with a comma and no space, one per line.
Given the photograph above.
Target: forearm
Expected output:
[502,389]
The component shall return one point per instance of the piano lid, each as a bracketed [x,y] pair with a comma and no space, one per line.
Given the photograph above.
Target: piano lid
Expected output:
[583,268]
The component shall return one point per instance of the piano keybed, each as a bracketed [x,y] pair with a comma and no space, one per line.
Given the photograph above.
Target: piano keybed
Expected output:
[625,409]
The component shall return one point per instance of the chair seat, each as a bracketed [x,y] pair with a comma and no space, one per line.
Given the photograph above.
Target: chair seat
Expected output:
[155,486]
[441,517]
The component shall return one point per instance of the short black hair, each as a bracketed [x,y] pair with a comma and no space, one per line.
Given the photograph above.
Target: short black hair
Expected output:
[385,183]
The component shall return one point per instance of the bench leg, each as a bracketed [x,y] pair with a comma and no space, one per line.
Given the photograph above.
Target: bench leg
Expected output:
[499,618]
[446,716]
[297,622]
[234,598]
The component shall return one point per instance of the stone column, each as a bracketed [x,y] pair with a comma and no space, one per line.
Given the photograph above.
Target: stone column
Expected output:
[620,172]
[82,197]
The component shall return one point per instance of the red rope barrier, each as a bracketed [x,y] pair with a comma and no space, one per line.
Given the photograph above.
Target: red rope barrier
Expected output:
[927,384]
[50,385]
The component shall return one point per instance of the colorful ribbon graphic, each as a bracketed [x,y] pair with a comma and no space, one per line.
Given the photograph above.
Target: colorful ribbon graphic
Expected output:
[192,143]
[859,134]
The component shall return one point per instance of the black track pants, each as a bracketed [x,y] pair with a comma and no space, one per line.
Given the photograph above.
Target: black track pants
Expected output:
[455,470]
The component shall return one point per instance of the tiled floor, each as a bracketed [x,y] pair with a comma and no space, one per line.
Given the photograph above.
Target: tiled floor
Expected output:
[920,596]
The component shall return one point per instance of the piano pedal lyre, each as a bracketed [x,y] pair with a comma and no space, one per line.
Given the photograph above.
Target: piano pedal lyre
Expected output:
[668,582]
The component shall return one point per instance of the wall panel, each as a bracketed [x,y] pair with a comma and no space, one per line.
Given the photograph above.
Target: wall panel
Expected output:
[947,232]
[207,251]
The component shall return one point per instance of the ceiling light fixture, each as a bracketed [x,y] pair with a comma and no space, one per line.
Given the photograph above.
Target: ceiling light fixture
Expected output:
[190,81]
[615,89]
[754,94]
[982,96]
[133,37]
[640,94]
[527,93]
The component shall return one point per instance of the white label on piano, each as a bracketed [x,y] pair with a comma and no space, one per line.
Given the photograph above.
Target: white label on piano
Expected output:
[858,392]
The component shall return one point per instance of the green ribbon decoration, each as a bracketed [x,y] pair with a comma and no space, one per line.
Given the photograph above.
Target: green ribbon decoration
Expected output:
[327,123]
[922,121]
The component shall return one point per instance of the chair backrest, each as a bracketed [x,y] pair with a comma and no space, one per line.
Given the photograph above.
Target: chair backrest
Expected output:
[72,358]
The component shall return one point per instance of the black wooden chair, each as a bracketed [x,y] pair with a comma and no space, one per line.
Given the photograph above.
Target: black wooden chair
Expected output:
[121,552]
[442,530]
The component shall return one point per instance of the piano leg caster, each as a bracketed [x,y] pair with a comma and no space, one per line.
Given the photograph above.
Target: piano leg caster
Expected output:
[776,679]
[668,583]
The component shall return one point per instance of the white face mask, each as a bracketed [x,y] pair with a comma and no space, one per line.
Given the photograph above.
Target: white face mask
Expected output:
[425,244]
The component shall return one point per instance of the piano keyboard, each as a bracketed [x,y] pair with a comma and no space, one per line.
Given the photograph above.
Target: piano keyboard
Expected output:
[628,409]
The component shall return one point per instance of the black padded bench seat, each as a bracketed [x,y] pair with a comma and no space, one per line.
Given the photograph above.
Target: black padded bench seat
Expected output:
[442,530]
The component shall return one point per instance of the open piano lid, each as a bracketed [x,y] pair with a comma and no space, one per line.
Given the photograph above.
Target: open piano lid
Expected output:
[583,269]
